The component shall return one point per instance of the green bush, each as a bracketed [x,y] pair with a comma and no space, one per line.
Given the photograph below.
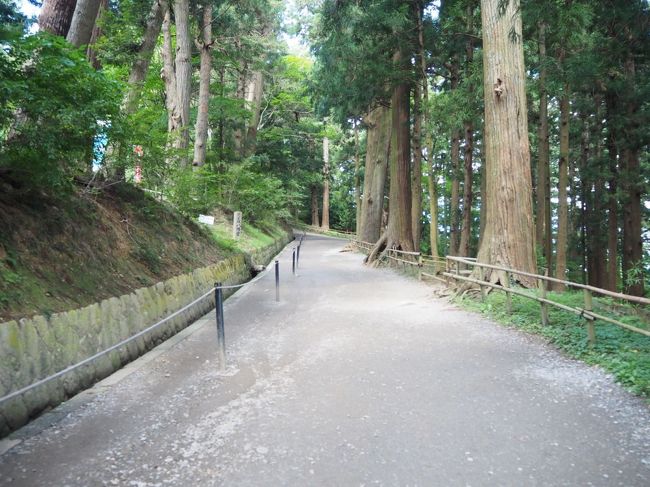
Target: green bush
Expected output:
[53,105]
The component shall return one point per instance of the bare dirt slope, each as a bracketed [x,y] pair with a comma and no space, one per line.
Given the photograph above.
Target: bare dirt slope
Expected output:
[357,376]
[61,253]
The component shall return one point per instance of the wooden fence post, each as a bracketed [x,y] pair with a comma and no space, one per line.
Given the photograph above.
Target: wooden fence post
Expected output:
[481,274]
[591,329]
[506,284]
[420,264]
[544,307]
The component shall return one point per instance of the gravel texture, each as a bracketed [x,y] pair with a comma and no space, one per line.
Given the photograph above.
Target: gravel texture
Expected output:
[358,376]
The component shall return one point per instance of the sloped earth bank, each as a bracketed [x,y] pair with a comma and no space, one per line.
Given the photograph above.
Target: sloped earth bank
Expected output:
[357,376]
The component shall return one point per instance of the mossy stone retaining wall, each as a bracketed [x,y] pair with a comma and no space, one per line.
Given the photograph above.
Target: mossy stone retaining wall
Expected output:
[35,348]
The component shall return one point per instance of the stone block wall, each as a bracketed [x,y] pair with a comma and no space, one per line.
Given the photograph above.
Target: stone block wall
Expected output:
[35,348]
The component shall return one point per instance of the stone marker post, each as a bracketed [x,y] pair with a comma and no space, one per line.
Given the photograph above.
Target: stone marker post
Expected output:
[236,225]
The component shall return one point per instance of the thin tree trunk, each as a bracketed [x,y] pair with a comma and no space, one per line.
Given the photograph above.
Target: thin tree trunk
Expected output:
[379,125]
[169,73]
[256,92]
[241,94]
[454,222]
[326,184]
[314,206]
[205,75]
[484,196]
[612,214]
[56,16]
[143,59]
[183,63]
[433,208]
[83,21]
[357,179]
[596,219]
[509,231]
[466,231]
[543,229]
[563,207]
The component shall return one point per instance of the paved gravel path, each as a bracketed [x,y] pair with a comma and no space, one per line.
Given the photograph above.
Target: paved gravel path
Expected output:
[357,377]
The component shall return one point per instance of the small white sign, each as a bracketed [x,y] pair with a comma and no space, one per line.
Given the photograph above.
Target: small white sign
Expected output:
[208,220]
[236,225]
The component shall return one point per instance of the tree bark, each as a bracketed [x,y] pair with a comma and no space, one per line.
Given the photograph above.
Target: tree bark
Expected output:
[169,73]
[563,207]
[509,231]
[314,206]
[183,64]
[56,16]
[205,75]
[378,123]
[633,282]
[141,64]
[416,188]
[484,196]
[83,21]
[399,231]
[466,231]
[454,213]
[357,179]
[596,211]
[325,225]
[612,214]
[433,208]
[543,222]
[254,99]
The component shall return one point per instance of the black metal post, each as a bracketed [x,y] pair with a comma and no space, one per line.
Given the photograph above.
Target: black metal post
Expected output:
[293,262]
[298,256]
[277,280]
[221,334]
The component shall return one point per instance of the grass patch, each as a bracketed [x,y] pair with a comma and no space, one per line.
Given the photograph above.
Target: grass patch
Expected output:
[623,353]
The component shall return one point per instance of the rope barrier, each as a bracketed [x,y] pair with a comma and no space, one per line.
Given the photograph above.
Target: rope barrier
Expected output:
[126,341]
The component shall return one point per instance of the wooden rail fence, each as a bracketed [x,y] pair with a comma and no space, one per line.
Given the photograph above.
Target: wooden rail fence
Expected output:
[457,269]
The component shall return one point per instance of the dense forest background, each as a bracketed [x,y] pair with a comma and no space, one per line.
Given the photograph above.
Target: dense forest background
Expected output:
[391,119]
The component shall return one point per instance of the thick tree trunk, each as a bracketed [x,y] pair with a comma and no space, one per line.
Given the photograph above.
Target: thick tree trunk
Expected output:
[83,21]
[633,271]
[141,64]
[325,225]
[314,206]
[91,53]
[379,125]
[169,74]
[205,75]
[56,16]
[543,223]
[563,207]
[416,184]
[399,232]
[183,63]
[509,231]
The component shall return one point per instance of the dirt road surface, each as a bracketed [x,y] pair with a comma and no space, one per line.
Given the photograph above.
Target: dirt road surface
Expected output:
[358,376]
